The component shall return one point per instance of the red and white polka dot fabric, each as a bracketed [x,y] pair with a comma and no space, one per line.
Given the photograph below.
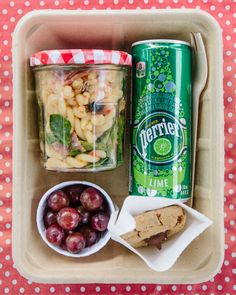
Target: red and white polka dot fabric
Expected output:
[10,280]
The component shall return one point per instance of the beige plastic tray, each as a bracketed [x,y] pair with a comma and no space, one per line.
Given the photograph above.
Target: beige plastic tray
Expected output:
[116,30]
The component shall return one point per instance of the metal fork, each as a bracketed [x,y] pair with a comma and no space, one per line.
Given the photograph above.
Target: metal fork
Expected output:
[200,73]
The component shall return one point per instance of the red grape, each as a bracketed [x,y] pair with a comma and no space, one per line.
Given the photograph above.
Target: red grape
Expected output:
[74,193]
[89,235]
[58,200]
[68,218]
[75,242]
[50,218]
[91,199]
[55,234]
[104,206]
[85,215]
[99,221]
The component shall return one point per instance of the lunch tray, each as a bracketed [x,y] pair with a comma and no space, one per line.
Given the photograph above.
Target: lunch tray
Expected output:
[57,29]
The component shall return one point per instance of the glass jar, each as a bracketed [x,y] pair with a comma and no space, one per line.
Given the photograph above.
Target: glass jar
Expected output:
[81,96]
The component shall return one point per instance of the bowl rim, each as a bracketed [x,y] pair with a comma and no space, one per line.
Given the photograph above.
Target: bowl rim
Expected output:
[41,228]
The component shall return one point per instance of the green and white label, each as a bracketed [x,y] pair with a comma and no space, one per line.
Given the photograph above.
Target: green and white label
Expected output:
[160,138]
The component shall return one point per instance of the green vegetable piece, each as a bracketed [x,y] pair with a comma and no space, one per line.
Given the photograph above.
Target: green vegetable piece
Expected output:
[113,133]
[101,146]
[50,138]
[105,137]
[98,164]
[74,152]
[87,146]
[60,128]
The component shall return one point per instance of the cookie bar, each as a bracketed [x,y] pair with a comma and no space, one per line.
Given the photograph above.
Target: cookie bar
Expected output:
[154,227]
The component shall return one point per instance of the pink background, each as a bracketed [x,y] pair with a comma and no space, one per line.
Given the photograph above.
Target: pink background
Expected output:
[10,280]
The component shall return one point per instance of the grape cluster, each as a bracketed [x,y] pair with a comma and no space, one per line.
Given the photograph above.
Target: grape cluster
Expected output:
[76,217]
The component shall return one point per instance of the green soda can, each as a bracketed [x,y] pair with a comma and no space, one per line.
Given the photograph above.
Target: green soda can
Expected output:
[161,119]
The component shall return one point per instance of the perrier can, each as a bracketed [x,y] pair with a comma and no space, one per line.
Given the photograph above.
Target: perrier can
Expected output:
[161,119]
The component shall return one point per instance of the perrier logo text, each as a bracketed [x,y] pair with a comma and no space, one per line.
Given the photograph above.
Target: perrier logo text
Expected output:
[159,138]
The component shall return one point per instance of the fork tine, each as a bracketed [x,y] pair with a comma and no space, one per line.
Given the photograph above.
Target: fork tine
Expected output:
[199,42]
[193,41]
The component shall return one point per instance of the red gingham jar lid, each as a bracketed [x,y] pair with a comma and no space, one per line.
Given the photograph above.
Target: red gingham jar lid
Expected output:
[80,56]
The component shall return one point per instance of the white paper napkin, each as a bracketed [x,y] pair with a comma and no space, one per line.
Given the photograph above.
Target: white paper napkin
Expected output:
[158,260]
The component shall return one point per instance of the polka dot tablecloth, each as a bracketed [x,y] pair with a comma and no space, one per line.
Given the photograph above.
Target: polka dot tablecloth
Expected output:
[10,280]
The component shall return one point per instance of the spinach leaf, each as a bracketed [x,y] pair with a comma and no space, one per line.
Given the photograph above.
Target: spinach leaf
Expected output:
[61,129]
[74,152]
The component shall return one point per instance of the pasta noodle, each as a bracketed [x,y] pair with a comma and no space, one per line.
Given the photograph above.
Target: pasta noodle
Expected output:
[78,129]
[87,158]
[74,162]
[53,163]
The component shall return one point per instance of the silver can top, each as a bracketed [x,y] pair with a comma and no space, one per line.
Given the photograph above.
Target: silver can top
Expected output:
[161,41]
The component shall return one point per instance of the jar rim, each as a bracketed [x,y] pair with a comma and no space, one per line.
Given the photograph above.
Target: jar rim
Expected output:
[81,67]
[80,57]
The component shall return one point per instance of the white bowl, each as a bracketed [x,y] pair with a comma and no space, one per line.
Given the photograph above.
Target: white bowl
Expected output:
[42,230]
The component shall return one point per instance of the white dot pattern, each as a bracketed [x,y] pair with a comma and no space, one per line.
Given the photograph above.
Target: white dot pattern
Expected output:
[10,280]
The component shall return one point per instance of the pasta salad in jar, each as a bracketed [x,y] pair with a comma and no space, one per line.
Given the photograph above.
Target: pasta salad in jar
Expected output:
[81,96]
